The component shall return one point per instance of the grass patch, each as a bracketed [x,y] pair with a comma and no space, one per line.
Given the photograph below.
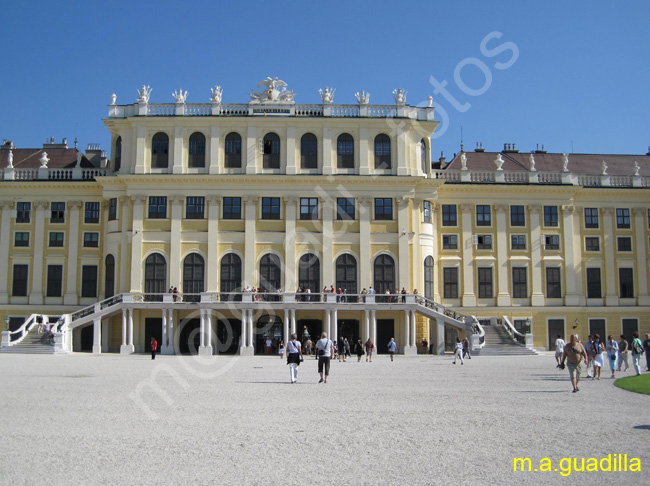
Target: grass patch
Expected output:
[637,384]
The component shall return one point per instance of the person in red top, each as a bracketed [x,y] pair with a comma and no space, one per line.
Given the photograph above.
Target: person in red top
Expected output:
[154,347]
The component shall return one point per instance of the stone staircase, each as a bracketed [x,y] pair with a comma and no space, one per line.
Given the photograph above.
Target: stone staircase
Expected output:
[34,343]
[499,343]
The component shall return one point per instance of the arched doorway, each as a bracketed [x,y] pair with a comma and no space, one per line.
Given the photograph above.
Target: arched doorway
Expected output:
[193,277]
[155,277]
[309,273]
[230,277]
[384,271]
[270,274]
[268,327]
[346,275]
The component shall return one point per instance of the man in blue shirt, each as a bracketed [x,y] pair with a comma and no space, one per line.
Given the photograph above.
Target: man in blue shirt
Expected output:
[392,347]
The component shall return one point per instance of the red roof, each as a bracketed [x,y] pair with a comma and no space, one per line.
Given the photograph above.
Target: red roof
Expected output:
[60,158]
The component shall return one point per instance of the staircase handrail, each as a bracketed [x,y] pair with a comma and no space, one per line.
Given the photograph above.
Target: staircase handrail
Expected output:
[447,311]
[514,334]
[27,326]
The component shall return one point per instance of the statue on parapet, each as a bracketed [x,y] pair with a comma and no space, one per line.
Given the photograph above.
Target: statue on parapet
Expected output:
[179,96]
[531,161]
[400,96]
[10,159]
[565,163]
[363,98]
[326,95]
[143,94]
[499,162]
[603,168]
[274,90]
[217,92]
[44,160]
[636,168]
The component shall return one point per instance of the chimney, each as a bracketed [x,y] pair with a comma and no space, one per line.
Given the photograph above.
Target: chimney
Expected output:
[479,147]
[510,148]
[538,151]
[95,154]
[49,144]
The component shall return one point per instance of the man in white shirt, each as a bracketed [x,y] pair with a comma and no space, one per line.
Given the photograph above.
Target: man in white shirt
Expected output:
[559,348]
[324,348]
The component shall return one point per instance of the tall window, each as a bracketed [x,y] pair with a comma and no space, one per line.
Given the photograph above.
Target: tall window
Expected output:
[271,158]
[89,281]
[91,213]
[155,275]
[270,208]
[197,150]
[232,208]
[231,273]
[483,215]
[519,283]
[345,209]
[382,151]
[484,282]
[449,217]
[270,273]
[517,216]
[450,283]
[383,209]
[193,277]
[20,277]
[54,280]
[622,218]
[23,212]
[550,216]
[345,151]
[109,277]
[346,273]
[112,209]
[157,207]
[384,271]
[626,283]
[309,272]
[594,288]
[551,242]
[195,207]
[309,208]
[428,277]
[21,239]
[309,151]
[553,283]
[160,151]
[57,214]
[484,242]
[118,154]
[423,156]
[233,151]
[426,210]
[591,217]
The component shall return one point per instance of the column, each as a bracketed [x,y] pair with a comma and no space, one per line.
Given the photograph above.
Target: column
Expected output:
[124,348]
[290,281]
[140,149]
[124,216]
[177,158]
[328,242]
[572,293]
[97,335]
[285,327]
[436,262]
[170,332]
[503,295]
[365,210]
[291,151]
[205,349]
[212,265]
[413,332]
[401,158]
[244,327]
[440,336]
[129,344]
[335,325]
[373,318]
[136,243]
[5,244]
[175,263]
[537,297]
[293,321]
[416,280]
[609,244]
[251,334]
[366,326]
[641,256]
[165,344]
[407,332]
[328,161]
[249,154]
[250,203]
[208,330]
[469,298]
[70,297]
[364,153]
[328,323]
[36,294]
[202,329]
[403,242]
[213,158]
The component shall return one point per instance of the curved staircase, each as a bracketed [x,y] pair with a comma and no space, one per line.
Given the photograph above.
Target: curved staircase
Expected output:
[498,342]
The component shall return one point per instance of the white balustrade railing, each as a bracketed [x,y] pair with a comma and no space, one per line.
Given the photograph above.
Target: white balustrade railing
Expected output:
[198,109]
[161,109]
[47,174]
[589,180]
[482,176]
[233,110]
[344,111]
[549,177]
[382,111]
[309,110]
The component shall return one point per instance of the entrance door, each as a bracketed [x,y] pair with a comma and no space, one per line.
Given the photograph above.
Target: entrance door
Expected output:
[309,329]
[597,326]
[87,338]
[385,331]
[555,327]
[152,328]
[228,334]
[629,326]
[349,328]
[189,338]
[451,334]
[268,327]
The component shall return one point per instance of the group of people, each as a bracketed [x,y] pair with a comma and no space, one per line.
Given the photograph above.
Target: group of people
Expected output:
[43,327]
[174,290]
[461,350]
[594,352]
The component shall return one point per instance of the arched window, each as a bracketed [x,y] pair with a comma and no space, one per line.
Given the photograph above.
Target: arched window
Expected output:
[109,277]
[346,273]
[155,277]
[385,274]
[118,154]
[271,151]
[428,277]
[230,275]
[233,151]
[160,151]
[197,150]
[345,151]
[309,151]
[270,273]
[423,155]
[193,277]
[309,272]
[382,151]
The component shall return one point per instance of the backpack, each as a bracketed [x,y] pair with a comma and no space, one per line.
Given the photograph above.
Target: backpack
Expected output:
[637,348]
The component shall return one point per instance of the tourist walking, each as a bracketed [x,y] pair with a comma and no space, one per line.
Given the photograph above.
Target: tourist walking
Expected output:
[646,347]
[347,348]
[392,347]
[324,352]
[341,349]
[466,349]
[281,348]
[611,348]
[559,349]
[154,347]
[573,353]
[623,351]
[358,348]
[268,344]
[370,348]
[458,351]
[637,351]
[425,346]
[597,349]
[294,356]
[589,365]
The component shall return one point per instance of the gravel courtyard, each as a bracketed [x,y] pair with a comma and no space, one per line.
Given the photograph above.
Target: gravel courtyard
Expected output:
[110,419]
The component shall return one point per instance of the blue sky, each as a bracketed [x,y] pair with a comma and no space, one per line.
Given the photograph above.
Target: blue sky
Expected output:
[581,78]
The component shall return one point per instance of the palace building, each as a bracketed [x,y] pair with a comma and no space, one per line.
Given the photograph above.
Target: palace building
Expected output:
[218,199]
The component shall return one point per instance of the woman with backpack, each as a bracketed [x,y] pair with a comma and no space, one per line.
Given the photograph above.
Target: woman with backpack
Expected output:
[637,351]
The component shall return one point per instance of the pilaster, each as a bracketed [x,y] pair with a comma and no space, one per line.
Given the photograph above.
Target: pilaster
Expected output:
[328,242]
[136,243]
[503,295]
[250,150]
[71,296]
[215,149]
[572,295]
[140,149]
[250,203]
[364,152]
[213,271]
[36,295]
[175,263]
[609,242]
[291,167]
[177,159]
[469,298]
[5,244]
[124,214]
[365,210]
[328,162]
[290,210]
[641,256]
[537,298]
[403,239]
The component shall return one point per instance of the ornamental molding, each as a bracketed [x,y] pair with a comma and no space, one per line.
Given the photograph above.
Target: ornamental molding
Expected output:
[290,199]
[403,201]
[568,208]
[138,198]
[251,199]
[7,204]
[213,199]
[41,204]
[74,204]
[535,208]
[607,211]
[365,200]
[176,199]
[274,91]
[639,211]
[124,199]
[466,207]
[501,208]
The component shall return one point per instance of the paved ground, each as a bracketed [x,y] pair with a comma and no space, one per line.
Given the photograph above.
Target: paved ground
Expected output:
[84,419]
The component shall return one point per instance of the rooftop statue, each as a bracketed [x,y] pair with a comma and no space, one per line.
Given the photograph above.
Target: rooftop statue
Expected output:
[430,101]
[274,90]
[603,167]
[463,161]
[531,161]
[363,98]
[179,96]
[44,160]
[113,98]
[400,96]
[217,92]
[636,168]
[143,94]
[10,160]
[565,163]
[326,95]
[499,162]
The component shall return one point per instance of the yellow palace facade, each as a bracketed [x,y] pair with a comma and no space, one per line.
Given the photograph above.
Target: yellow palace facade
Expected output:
[272,217]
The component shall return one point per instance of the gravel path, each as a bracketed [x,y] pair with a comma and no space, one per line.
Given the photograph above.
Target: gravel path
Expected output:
[85,419]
